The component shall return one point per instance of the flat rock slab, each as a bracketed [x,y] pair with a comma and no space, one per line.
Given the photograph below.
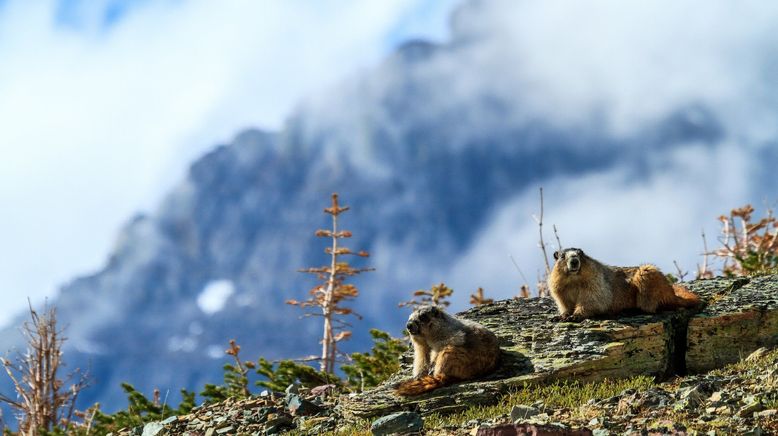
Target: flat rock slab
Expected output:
[739,318]
[539,348]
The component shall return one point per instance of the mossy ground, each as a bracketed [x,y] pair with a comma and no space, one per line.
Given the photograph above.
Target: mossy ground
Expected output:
[559,395]
[569,397]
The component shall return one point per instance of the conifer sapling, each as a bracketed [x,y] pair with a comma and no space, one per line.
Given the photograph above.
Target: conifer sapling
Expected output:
[332,292]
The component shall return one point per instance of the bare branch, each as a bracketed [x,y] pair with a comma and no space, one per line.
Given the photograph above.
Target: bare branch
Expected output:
[43,400]
[680,273]
[556,235]
[523,277]
[540,231]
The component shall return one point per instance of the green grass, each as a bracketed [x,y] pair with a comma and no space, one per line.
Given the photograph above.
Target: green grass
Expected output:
[561,394]
[747,368]
[359,428]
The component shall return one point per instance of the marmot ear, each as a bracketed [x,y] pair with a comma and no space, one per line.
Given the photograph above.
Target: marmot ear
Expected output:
[556,255]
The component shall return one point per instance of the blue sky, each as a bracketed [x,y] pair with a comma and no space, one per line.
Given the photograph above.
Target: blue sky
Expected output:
[105,103]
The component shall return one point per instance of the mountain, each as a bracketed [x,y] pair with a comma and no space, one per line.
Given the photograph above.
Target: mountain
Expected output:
[429,148]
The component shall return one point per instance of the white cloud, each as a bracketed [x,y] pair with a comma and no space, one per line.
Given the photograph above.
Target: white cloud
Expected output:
[630,63]
[98,122]
[614,216]
[186,344]
[215,351]
[215,295]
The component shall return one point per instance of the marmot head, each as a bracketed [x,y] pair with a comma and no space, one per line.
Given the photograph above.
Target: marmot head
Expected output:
[424,319]
[569,261]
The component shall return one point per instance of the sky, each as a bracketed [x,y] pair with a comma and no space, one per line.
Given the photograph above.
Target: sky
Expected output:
[104,103]
[84,85]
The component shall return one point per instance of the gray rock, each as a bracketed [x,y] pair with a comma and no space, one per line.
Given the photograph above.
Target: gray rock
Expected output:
[169,420]
[400,422]
[300,407]
[738,322]
[278,424]
[151,429]
[293,388]
[690,398]
[757,354]
[750,408]
[523,412]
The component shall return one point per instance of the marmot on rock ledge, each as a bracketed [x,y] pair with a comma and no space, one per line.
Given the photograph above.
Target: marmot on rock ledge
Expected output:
[447,349]
[583,287]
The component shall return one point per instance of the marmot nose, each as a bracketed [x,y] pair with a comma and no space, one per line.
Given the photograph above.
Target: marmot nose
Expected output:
[412,327]
[575,263]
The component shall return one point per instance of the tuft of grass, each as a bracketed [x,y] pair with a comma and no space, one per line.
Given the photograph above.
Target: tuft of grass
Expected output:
[560,394]
[359,428]
[746,368]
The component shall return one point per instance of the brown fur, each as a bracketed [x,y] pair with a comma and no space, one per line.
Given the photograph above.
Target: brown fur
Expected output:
[447,349]
[583,287]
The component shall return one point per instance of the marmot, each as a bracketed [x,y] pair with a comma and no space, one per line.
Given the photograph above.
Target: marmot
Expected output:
[447,349]
[583,287]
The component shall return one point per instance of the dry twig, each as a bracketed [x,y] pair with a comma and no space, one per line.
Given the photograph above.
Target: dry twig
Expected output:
[542,243]
[479,299]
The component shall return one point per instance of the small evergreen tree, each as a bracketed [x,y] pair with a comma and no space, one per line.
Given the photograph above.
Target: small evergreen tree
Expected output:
[329,295]
[286,372]
[437,296]
[141,410]
[371,368]
[236,380]
[479,299]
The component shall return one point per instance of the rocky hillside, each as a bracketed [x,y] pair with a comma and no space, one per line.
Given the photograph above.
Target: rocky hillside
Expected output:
[594,377]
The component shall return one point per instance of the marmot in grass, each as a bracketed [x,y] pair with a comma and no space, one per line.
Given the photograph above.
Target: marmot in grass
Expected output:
[447,349]
[583,287]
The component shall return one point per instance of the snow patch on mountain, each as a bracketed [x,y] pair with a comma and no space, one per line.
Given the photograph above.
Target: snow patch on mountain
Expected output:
[215,295]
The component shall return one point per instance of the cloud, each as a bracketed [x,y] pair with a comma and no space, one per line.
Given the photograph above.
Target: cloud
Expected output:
[628,64]
[102,111]
[616,217]
[215,295]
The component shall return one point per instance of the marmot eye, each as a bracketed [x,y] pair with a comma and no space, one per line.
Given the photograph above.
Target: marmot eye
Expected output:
[424,317]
